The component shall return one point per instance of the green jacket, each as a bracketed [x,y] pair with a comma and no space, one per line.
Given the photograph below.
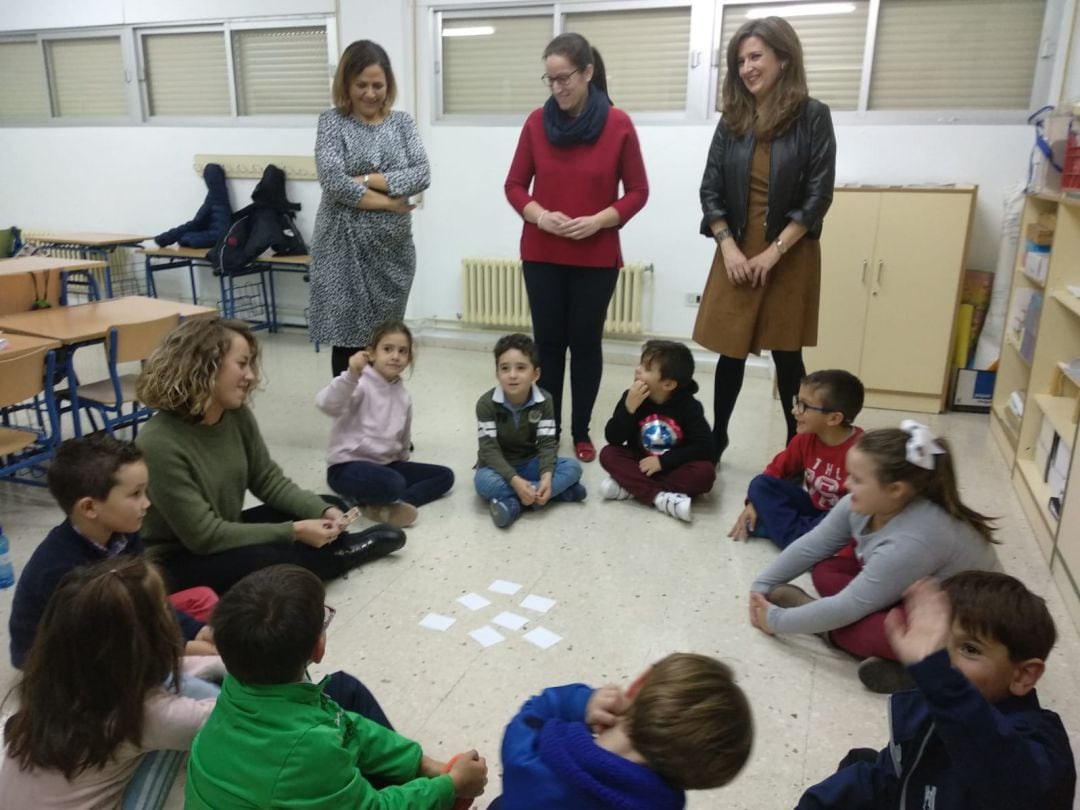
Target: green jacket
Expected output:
[291,746]
[508,439]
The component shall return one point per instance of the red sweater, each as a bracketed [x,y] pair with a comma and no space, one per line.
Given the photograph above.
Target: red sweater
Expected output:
[823,467]
[577,180]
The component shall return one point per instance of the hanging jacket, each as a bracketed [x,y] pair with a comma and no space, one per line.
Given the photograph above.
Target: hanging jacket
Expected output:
[212,218]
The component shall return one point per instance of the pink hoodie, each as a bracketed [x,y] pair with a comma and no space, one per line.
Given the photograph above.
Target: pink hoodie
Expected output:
[372,418]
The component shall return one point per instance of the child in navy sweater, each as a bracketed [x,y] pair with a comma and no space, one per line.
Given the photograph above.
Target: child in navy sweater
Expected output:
[660,446]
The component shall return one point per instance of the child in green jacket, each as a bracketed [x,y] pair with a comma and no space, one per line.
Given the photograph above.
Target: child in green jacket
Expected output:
[276,740]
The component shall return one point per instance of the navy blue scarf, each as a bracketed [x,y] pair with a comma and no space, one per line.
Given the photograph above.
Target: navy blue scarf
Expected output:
[564,130]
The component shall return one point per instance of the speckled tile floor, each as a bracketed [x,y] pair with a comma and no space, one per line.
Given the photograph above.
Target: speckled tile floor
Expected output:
[631,584]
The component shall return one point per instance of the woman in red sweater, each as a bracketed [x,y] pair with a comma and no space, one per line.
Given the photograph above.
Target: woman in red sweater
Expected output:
[573,152]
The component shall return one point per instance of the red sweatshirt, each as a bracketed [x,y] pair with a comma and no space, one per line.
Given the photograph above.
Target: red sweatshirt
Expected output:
[823,467]
[577,180]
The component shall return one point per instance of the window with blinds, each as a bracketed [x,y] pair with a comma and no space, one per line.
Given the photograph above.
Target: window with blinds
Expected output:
[493,64]
[86,77]
[833,37]
[281,71]
[187,74]
[645,52]
[26,91]
[956,54]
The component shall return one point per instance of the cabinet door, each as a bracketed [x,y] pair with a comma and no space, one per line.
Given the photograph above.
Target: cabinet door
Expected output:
[915,281]
[847,246]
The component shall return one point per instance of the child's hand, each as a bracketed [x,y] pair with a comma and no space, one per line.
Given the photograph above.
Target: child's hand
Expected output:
[746,523]
[469,774]
[759,612]
[606,705]
[358,361]
[650,465]
[316,533]
[543,492]
[636,395]
[921,626]
[524,490]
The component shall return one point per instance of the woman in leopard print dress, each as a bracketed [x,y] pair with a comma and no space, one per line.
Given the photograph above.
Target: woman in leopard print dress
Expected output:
[370,161]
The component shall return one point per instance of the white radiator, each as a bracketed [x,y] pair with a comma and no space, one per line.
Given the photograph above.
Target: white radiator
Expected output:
[122,268]
[495,296]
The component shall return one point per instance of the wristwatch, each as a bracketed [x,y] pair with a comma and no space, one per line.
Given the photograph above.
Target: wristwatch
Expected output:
[781,246]
[723,234]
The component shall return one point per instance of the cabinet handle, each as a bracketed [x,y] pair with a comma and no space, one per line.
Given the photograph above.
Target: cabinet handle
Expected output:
[880,267]
[865,266]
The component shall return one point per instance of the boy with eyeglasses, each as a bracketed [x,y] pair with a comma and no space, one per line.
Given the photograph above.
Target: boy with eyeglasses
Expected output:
[275,739]
[806,479]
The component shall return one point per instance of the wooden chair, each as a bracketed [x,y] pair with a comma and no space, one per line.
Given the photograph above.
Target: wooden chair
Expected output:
[25,376]
[124,343]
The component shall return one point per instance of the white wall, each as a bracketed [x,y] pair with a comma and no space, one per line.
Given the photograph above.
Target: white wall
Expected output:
[139,179]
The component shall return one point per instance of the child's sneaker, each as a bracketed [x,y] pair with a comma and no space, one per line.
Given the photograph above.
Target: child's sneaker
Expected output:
[398,514]
[675,504]
[572,494]
[883,676]
[611,491]
[504,511]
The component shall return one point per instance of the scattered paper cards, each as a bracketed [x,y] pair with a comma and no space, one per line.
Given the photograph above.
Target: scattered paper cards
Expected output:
[488,636]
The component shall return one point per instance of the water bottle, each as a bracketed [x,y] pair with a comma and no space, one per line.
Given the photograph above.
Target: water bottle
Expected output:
[7,570]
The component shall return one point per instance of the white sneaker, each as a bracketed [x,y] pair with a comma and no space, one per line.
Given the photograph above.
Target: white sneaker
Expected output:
[610,490]
[675,504]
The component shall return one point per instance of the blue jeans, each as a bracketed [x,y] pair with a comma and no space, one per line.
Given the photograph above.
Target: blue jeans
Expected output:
[490,484]
[371,484]
[784,509]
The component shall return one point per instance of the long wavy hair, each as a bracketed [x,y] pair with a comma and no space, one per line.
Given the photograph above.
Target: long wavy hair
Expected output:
[785,101]
[180,373]
[887,448]
[107,638]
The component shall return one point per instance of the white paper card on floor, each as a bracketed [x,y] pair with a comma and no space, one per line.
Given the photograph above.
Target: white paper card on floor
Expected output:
[542,638]
[511,621]
[486,636]
[504,586]
[436,621]
[473,601]
[539,604]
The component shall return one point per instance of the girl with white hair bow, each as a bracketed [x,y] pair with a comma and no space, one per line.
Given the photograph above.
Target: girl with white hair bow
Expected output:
[904,512]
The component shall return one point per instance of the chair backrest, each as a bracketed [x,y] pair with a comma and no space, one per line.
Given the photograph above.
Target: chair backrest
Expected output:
[22,375]
[135,341]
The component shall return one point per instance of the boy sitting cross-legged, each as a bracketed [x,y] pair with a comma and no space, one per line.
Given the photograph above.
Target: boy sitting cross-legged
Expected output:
[517,464]
[973,734]
[660,447]
[778,506]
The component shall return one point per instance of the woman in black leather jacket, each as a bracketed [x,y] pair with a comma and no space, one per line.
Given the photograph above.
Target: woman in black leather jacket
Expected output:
[767,185]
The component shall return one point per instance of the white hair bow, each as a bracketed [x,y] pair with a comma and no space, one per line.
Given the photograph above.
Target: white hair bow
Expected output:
[922,444]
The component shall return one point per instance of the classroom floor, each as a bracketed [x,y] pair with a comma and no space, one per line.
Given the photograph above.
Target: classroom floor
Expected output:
[630,584]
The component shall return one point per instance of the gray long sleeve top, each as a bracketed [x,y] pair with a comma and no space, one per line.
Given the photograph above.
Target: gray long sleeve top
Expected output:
[922,540]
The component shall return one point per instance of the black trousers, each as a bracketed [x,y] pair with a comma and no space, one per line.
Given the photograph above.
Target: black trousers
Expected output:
[350,694]
[569,305]
[728,382]
[339,357]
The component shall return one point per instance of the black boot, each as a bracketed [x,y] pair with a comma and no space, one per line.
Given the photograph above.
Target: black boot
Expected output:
[370,544]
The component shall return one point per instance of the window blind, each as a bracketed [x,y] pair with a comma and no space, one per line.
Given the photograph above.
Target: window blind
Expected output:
[645,54]
[281,71]
[187,74]
[833,45]
[493,64]
[87,77]
[26,92]
[956,54]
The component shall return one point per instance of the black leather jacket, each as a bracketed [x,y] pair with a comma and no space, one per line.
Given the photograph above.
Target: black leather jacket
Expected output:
[802,170]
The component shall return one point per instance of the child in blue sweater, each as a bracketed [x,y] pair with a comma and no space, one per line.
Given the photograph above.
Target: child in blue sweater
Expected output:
[973,734]
[683,725]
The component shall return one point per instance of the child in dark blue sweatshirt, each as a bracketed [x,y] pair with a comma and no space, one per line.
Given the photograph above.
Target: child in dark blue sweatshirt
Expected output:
[973,734]
[684,725]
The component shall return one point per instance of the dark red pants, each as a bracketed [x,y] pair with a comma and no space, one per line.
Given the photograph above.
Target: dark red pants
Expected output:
[691,478]
[863,638]
[195,602]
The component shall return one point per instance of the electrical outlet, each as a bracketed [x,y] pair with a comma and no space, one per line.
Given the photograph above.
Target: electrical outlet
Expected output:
[693,299]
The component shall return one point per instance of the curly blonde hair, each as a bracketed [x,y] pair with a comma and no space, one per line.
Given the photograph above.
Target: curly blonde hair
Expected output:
[180,373]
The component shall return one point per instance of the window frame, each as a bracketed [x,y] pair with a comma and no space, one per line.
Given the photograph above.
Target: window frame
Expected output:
[35,40]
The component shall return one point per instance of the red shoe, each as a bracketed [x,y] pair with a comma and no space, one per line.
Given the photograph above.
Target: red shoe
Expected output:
[585,451]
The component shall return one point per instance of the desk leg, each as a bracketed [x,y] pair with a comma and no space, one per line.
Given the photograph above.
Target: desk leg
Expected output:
[73,390]
[151,288]
[273,302]
[191,276]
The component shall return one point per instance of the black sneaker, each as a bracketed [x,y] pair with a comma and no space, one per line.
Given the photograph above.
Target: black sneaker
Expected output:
[572,494]
[789,596]
[883,676]
[370,544]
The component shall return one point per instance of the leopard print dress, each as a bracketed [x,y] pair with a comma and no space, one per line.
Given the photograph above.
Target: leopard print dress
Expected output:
[362,262]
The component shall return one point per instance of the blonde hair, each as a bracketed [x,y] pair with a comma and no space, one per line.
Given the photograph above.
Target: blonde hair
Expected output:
[180,373]
[785,101]
[359,56]
[691,722]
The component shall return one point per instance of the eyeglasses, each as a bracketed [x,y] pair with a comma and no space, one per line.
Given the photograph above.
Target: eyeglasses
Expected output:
[801,406]
[561,81]
[328,616]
